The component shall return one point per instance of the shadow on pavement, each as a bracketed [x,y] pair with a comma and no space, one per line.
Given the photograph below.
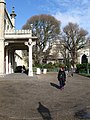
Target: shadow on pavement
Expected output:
[44,112]
[83,114]
[55,85]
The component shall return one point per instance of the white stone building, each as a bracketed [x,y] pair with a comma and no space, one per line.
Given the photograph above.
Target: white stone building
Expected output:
[12,40]
[59,57]
[84,52]
[55,53]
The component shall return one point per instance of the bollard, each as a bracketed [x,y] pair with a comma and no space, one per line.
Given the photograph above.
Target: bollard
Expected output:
[38,71]
[44,71]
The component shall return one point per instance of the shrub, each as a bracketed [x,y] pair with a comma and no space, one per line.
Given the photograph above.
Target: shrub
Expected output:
[49,66]
[82,68]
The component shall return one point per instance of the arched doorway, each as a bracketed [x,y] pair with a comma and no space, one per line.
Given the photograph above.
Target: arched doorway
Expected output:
[84,59]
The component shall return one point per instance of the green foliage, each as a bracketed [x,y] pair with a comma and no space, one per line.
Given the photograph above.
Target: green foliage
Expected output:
[38,66]
[50,67]
[82,68]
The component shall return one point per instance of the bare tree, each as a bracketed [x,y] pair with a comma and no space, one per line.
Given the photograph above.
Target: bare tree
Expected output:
[46,28]
[74,39]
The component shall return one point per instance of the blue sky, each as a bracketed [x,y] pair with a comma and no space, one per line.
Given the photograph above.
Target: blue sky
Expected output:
[76,11]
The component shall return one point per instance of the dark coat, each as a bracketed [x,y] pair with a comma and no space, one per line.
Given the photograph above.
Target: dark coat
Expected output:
[61,75]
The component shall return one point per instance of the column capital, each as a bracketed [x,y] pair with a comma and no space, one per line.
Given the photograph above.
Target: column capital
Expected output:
[6,43]
[26,43]
[30,41]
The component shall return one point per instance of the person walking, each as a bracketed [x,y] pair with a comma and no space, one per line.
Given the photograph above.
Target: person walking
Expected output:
[61,77]
[72,71]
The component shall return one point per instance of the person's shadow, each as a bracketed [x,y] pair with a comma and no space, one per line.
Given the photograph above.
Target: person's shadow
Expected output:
[55,85]
[44,112]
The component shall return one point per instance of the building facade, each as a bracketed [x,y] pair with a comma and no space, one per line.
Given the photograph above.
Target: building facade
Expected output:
[58,53]
[12,40]
[84,53]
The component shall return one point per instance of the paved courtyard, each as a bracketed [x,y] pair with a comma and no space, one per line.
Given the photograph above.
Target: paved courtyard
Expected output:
[39,98]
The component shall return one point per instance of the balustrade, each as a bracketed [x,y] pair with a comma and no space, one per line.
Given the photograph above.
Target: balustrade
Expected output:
[17,32]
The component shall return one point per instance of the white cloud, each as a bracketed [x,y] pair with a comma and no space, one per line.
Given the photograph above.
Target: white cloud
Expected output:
[65,18]
[75,11]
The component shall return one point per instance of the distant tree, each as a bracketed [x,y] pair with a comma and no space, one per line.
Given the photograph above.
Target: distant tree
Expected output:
[47,29]
[74,39]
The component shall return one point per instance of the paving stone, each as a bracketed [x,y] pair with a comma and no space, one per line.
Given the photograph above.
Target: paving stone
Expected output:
[39,97]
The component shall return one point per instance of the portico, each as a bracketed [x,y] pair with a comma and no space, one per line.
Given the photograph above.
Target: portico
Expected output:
[18,40]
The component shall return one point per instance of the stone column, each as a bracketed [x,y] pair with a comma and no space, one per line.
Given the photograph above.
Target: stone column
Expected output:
[30,58]
[2,57]
[2,8]
[12,61]
[29,44]
[6,61]
[2,15]
[10,69]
